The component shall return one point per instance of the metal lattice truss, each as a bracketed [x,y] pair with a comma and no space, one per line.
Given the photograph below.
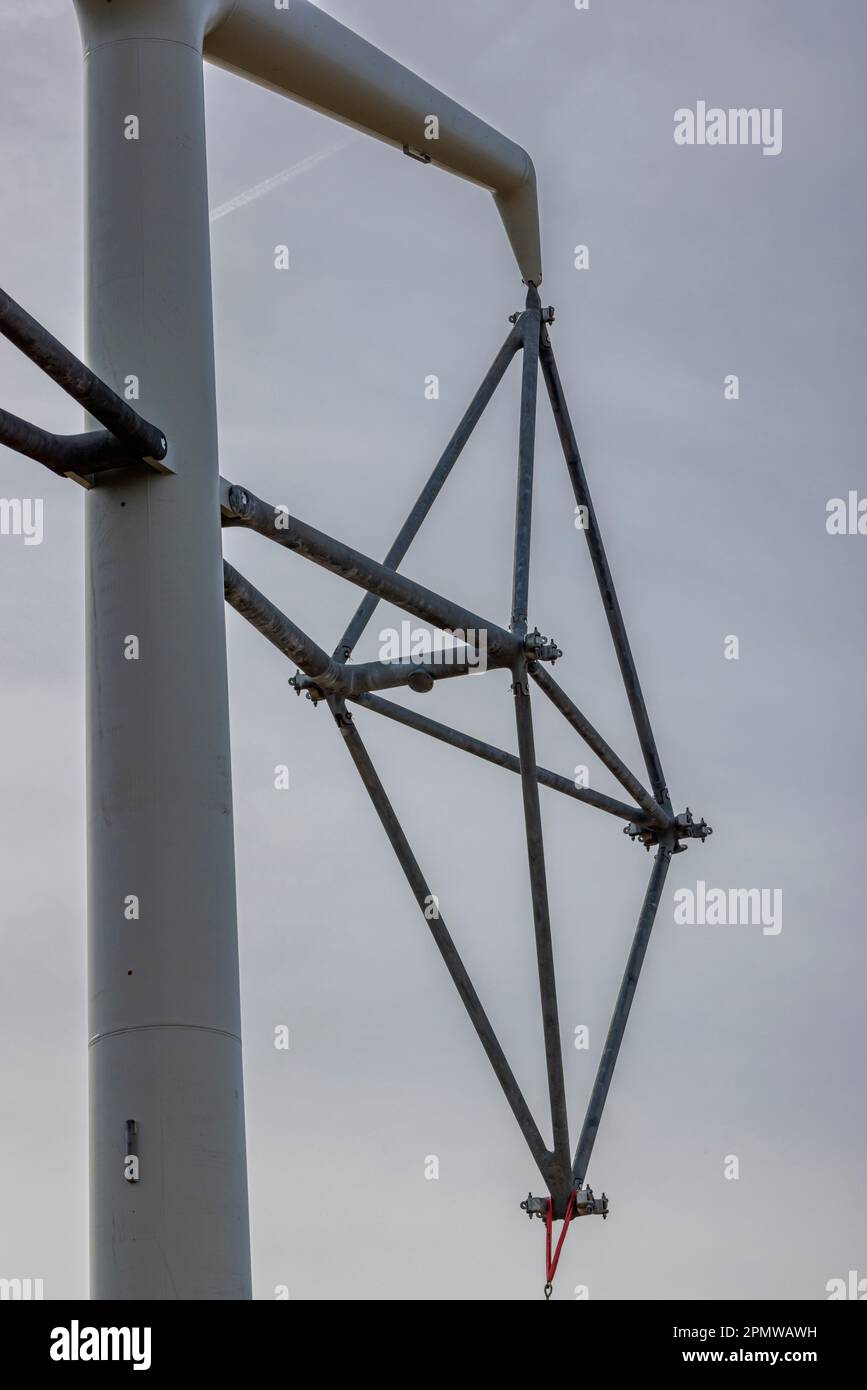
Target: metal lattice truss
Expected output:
[127,441]
[527,656]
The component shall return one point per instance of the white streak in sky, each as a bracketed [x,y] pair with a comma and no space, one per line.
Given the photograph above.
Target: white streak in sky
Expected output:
[260,189]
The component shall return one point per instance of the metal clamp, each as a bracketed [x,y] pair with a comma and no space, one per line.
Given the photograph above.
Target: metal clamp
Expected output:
[684,827]
[586,1204]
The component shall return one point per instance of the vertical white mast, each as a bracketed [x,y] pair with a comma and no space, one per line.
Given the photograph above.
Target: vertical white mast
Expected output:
[164,1023]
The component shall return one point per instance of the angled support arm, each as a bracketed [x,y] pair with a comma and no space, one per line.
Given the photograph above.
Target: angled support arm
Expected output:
[64,454]
[277,525]
[619,1018]
[526,462]
[126,438]
[542,926]
[597,744]
[442,939]
[324,673]
[526,745]
[603,574]
[434,485]
[498,756]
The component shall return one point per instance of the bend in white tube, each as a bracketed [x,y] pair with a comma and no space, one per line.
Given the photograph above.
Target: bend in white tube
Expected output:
[304,53]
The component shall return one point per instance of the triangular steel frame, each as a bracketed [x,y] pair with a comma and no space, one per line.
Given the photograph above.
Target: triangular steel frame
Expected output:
[651,820]
[128,441]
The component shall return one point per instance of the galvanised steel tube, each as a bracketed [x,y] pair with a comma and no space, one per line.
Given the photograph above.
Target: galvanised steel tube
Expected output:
[617,1027]
[603,574]
[419,675]
[303,53]
[142,439]
[64,453]
[443,940]
[542,928]
[277,525]
[498,756]
[330,675]
[280,631]
[164,1012]
[558,697]
[532,323]
[433,486]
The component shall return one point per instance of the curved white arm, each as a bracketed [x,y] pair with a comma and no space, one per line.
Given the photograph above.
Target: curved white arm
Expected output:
[306,54]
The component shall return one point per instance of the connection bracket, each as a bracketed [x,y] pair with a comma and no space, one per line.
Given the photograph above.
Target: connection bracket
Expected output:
[684,827]
[539,648]
[586,1204]
[546,315]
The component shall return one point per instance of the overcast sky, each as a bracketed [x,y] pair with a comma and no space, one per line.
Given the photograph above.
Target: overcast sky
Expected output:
[704,262]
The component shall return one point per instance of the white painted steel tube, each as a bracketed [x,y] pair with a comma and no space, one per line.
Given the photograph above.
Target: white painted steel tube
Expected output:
[164,1013]
[306,54]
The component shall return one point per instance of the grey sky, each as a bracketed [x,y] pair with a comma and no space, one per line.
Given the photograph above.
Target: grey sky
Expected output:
[703,262]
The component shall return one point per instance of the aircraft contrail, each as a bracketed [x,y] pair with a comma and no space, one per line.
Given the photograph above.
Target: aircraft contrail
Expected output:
[260,189]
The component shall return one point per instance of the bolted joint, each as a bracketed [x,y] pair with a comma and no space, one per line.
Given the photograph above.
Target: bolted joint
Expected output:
[547,315]
[303,685]
[342,715]
[159,447]
[239,502]
[688,828]
[684,827]
[539,648]
[422,682]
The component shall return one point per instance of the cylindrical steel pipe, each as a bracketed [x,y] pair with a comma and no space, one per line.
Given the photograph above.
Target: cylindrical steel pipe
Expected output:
[617,1027]
[542,928]
[323,670]
[91,452]
[143,439]
[444,943]
[532,325]
[277,525]
[434,484]
[301,52]
[164,1016]
[498,756]
[602,570]
[594,740]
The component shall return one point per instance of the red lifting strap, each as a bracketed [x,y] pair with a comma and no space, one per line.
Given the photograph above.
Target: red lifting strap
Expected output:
[551,1264]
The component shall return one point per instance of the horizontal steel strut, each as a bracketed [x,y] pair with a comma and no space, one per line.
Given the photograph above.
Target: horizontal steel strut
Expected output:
[126,439]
